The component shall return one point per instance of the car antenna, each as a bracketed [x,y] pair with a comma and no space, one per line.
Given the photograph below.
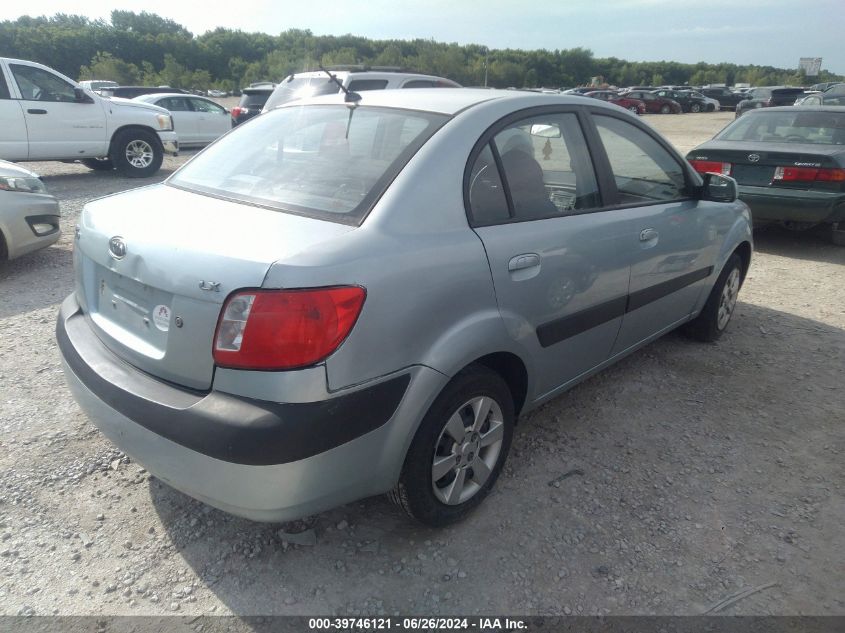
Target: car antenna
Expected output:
[351,98]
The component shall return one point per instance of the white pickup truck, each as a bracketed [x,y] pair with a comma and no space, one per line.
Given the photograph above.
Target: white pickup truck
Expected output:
[47,116]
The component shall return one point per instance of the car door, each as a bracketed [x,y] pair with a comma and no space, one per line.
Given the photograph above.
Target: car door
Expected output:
[13,140]
[212,119]
[560,276]
[58,126]
[185,119]
[672,243]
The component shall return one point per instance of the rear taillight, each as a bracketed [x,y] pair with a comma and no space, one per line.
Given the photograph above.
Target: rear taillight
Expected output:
[285,329]
[808,174]
[238,110]
[705,166]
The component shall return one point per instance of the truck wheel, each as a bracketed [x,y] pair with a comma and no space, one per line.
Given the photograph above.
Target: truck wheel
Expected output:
[98,164]
[137,153]
[459,449]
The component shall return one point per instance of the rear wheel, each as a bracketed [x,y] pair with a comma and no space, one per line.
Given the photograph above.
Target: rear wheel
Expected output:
[717,312]
[665,109]
[137,153]
[459,449]
[633,109]
[98,164]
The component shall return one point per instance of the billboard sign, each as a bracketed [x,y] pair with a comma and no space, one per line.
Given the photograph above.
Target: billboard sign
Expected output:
[810,65]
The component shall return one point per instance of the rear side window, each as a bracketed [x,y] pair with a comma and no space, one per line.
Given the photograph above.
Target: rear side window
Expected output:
[360,85]
[419,83]
[642,168]
[545,172]
[201,105]
[316,161]
[175,104]
[4,89]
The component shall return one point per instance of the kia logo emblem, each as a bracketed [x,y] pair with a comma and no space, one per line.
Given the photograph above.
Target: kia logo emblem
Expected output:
[754,157]
[117,247]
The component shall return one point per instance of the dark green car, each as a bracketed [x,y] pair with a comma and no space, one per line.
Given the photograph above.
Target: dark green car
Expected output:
[789,163]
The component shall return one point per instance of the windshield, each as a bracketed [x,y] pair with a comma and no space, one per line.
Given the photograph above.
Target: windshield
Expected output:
[824,128]
[300,88]
[311,160]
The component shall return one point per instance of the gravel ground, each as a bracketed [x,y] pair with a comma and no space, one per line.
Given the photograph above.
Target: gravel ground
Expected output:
[678,477]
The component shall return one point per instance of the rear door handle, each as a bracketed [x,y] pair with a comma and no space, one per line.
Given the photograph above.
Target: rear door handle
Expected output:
[35,111]
[646,235]
[521,262]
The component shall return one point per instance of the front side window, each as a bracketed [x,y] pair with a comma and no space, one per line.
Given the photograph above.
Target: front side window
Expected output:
[4,89]
[545,172]
[644,171]
[323,161]
[37,84]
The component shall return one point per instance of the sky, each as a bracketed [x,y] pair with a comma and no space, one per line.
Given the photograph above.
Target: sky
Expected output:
[763,32]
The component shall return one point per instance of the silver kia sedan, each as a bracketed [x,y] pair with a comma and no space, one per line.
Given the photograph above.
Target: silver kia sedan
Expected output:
[29,216]
[356,295]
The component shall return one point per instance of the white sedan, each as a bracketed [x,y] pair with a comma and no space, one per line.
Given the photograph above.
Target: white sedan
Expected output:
[197,120]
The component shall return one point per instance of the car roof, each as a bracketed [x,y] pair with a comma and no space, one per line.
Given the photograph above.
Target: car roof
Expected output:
[164,95]
[803,109]
[448,101]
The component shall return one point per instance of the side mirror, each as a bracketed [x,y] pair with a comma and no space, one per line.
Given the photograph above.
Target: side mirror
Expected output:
[718,188]
[81,96]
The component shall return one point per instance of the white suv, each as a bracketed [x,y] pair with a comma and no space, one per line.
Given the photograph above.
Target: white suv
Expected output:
[354,79]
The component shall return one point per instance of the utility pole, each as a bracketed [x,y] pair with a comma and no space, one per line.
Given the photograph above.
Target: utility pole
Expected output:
[486,56]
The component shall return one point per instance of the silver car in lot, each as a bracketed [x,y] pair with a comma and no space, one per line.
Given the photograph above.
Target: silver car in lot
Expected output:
[29,216]
[346,298]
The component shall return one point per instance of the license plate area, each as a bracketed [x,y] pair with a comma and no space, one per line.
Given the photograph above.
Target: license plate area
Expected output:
[757,175]
[137,315]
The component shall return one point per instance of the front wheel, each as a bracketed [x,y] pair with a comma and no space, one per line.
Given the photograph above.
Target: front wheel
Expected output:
[717,312]
[695,108]
[665,109]
[633,109]
[137,153]
[459,449]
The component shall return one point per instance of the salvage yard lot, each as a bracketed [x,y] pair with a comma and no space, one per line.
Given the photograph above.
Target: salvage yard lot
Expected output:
[678,477]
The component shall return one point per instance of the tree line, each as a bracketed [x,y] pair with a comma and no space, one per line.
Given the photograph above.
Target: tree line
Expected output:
[144,48]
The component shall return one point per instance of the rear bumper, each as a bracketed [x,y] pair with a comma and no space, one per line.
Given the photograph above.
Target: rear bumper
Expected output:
[261,460]
[778,205]
[21,218]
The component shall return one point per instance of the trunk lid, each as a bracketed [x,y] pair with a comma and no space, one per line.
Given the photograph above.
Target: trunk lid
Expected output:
[760,171]
[183,253]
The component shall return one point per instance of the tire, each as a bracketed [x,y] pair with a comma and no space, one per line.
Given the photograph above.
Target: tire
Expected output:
[837,234]
[633,109]
[711,108]
[695,108]
[98,164]
[456,411]
[665,109]
[137,153]
[716,314]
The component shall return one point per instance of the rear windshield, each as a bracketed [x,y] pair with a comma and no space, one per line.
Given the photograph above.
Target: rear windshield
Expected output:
[255,99]
[300,88]
[824,128]
[323,161]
